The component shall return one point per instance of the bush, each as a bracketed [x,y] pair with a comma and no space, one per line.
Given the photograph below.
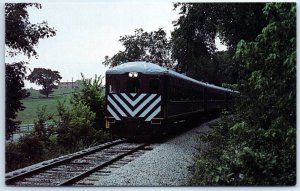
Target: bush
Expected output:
[81,125]
[91,94]
[36,146]
[75,127]
[258,145]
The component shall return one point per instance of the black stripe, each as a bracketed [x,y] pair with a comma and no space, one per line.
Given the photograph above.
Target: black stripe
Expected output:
[152,110]
[125,101]
[120,106]
[141,101]
[115,110]
[148,104]
[132,97]
[137,104]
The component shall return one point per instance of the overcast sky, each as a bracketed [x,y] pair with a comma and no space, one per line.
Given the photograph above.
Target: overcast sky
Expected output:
[86,32]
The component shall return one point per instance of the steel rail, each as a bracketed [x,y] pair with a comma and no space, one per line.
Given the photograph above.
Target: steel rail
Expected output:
[12,180]
[79,177]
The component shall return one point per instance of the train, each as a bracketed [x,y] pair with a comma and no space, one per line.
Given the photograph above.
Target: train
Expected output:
[144,99]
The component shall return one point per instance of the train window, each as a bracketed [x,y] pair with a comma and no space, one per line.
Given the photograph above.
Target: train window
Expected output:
[114,87]
[154,85]
[133,85]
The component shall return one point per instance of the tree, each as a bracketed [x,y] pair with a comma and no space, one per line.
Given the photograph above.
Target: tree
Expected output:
[224,70]
[46,78]
[257,146]
[143,46]
[21,36]
[193,40]
[14,83]
[269,93]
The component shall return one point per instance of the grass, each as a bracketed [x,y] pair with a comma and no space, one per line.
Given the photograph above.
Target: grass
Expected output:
[57,92]
[36,100]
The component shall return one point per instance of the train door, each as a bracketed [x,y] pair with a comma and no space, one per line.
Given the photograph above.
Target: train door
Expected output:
[133,85]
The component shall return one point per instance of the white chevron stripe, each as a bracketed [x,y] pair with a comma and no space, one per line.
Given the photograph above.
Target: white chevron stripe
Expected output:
[116,106]
[143,104]
[150,107]
[153,114]
[123,104]
[113,113]
[133,103]
[133,94]
[133,113]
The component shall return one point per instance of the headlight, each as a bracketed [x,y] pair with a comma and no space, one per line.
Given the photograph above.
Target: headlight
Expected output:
[133,74]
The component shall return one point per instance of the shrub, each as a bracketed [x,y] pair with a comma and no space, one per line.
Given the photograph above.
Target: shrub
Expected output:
[75,127]
[33,147]
[91,94]
[258,145]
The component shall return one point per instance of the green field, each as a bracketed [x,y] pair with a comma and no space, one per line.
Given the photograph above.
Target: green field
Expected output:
[57,92]
[36,100]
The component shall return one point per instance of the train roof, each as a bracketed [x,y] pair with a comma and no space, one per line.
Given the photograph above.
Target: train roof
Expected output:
[150,68]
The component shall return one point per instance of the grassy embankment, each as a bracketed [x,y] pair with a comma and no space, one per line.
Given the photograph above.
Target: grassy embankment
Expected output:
[36,100]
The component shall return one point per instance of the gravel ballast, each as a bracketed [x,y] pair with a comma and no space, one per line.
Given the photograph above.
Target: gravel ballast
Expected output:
[166,165]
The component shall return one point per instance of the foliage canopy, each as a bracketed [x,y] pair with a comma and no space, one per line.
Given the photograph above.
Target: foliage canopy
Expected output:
[14,83]
[257,145]
[143,46]
[193,40]
[21,36]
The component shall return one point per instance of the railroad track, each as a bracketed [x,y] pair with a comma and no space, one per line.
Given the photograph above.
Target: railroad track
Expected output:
[83,168]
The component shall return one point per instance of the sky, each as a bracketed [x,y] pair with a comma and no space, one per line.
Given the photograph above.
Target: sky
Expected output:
[87,32]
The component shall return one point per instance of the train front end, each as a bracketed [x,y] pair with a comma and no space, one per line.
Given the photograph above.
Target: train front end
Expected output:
[134,100]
